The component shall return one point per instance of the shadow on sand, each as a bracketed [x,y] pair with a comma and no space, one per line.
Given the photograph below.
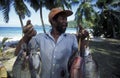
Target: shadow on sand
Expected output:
[107,55]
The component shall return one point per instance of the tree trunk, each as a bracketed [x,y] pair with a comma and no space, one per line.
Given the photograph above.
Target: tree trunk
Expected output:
[21,23]
[41,17]
[114,33]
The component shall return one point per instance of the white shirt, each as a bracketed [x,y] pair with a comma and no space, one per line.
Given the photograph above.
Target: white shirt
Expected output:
[54,55]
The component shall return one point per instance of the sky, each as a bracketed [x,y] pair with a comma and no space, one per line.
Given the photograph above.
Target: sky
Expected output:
[35,18]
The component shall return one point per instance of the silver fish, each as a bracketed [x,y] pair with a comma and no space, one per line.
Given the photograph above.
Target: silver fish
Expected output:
[90,65]
[25,66]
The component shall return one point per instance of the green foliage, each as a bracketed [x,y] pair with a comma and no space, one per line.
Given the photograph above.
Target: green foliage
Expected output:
[97,31]
[87,24]
[21,9]
[5,8]
[72,24]
[109,19]
[103,4]
[85,14]
[34,4]
[116,3]
[2,43]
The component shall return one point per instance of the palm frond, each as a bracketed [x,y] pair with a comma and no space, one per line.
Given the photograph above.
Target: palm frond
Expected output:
[34,4]
[21,9]
[5,7]
[67,4]
[116,3]
[4,40]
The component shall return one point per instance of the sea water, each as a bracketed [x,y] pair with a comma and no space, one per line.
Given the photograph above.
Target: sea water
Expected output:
[15,33]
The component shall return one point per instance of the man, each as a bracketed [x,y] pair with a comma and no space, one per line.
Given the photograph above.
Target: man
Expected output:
[55,47]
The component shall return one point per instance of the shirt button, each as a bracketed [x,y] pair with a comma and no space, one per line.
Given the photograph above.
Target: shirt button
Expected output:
[52,72]
[54,56]
[53,64]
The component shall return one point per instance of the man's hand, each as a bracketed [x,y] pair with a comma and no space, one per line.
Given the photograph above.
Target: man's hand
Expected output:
[28,31]
[83,34]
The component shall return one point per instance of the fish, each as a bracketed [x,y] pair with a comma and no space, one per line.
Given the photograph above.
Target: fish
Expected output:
[28,62]
[75,71]
[25,66]
[91,69]
[83,67]
[35,64]
[75,65]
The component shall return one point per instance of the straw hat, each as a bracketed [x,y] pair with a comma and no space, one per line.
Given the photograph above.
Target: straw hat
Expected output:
[56,11]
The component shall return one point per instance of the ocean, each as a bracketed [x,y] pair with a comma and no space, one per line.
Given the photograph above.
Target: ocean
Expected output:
[15,33]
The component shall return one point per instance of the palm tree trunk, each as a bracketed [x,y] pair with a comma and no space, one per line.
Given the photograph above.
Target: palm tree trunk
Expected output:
[21,23]
[114,33]
[41,17]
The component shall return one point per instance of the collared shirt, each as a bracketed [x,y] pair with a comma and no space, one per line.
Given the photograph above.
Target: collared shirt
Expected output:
[54,55]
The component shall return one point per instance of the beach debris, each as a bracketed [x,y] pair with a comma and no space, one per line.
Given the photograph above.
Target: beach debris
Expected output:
[3,71]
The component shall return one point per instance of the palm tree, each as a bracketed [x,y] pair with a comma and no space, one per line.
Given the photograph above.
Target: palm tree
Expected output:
[5,8]
[49,4]
[85,13]
[110,18]
[37,5]
[20,9]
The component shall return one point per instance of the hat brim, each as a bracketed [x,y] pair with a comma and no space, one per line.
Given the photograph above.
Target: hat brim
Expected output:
[66,13]
[54,13]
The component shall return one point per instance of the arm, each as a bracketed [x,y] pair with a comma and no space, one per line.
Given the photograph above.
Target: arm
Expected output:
[29,32]
[18,47]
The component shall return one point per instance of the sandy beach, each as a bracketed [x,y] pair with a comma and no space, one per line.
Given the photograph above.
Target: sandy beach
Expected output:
[7,58]
[100,48]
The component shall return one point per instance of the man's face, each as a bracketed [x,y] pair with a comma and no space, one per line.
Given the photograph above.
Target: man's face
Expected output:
[61,23]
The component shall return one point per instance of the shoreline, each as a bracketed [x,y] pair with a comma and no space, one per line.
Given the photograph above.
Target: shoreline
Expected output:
[15,33]
[13,42]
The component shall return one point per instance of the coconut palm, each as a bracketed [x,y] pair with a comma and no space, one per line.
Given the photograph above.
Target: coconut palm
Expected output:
[109,21]
[37,5]
[5,8]
[85,13]
[49,4]
[21,10]
[19,6]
